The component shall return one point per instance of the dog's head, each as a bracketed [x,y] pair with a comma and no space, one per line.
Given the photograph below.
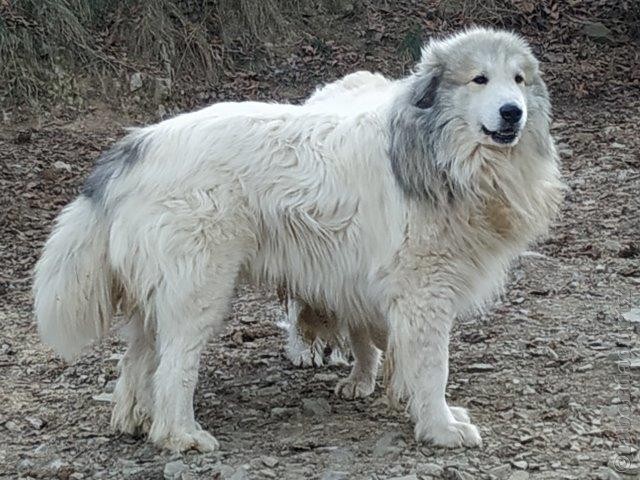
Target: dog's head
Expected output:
[485,82]
[479,88]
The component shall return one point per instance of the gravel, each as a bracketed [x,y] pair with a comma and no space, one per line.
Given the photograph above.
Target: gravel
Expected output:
[538,372]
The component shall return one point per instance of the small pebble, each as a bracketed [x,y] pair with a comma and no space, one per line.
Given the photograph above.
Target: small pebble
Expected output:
[316,406]
[35,422]
[103,397]
[269,461]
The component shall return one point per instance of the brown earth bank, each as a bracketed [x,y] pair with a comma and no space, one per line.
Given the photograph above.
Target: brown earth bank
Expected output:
[543,373]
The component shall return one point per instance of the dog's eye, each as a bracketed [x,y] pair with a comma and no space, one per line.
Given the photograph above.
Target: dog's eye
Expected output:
[480,80]
[519,78]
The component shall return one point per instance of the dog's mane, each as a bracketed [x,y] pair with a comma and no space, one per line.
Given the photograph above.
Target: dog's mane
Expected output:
[506,194]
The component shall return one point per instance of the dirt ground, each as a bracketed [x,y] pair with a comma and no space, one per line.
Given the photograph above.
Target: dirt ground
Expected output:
[539,372]
[549,374]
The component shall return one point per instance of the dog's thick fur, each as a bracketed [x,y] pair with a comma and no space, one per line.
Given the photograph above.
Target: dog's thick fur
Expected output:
[311,329]
[397,212]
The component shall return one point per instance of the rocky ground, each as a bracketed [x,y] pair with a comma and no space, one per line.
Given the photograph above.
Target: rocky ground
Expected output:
[550,374]
[540,373]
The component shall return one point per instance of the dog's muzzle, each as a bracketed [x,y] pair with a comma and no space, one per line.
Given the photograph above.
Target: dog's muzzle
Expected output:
[506,135]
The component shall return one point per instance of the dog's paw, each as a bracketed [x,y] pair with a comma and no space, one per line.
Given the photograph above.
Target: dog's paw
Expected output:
[351,388]
[197,439]
[131,420]
[460,414]
[338,358]
[450,435]
[309,356]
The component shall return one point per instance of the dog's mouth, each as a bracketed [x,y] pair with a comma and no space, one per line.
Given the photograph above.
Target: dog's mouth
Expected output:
[503,137]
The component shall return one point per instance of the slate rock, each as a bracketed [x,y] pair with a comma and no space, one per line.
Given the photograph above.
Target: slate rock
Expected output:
[174,470]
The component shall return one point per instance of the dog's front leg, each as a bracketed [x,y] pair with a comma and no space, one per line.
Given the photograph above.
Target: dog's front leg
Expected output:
[420,323]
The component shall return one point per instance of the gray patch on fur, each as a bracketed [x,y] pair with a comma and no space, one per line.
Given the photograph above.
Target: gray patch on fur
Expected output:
[417,130]
[429,95]
[111,164]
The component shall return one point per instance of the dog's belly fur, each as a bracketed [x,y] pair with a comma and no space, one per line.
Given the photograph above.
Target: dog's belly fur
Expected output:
[329,269]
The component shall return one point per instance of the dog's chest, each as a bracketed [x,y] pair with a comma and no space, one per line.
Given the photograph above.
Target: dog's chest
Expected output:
[496,215]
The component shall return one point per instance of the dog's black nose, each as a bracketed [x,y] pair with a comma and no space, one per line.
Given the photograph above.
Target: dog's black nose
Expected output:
[511,113]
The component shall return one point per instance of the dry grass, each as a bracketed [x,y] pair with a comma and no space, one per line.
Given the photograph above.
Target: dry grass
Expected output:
[55,49]
[45,44]
[39,40]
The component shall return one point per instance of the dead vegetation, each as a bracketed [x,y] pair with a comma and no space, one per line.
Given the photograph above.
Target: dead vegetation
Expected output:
[47,45]
[73,51]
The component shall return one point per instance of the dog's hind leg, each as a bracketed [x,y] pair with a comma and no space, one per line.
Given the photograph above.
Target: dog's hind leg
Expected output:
[133,395]
[362,380]
[191,304]
[305,347]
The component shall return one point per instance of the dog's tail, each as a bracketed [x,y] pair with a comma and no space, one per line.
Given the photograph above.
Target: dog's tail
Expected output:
[74,289]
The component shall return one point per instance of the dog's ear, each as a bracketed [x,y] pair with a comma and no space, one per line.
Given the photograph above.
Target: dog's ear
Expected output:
[428,96]
[429,73]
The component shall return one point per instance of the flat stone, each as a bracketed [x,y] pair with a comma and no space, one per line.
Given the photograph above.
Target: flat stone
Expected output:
[500,472]
[25,466]
[283,412]
[480,367]
[240,474]
[135,82]
[12,426]
[269,461]
[632,315]
[110,386]
[115,357]
[316,407]
[224,471]
[35,422]
[174,470]
[270,391]
[326,377]
[532,254]
[596,30]
[519,475]
[60,165]
[162,89]
[633,364]
[605,473]
[612,245]
[43,450]
[430,469]
[335,475]
[390,442]
[56,467]
[103,397]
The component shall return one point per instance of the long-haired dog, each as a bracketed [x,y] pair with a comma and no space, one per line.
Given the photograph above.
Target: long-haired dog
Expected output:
[396,213]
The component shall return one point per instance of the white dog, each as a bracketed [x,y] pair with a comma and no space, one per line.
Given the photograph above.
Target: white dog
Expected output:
[397,214]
